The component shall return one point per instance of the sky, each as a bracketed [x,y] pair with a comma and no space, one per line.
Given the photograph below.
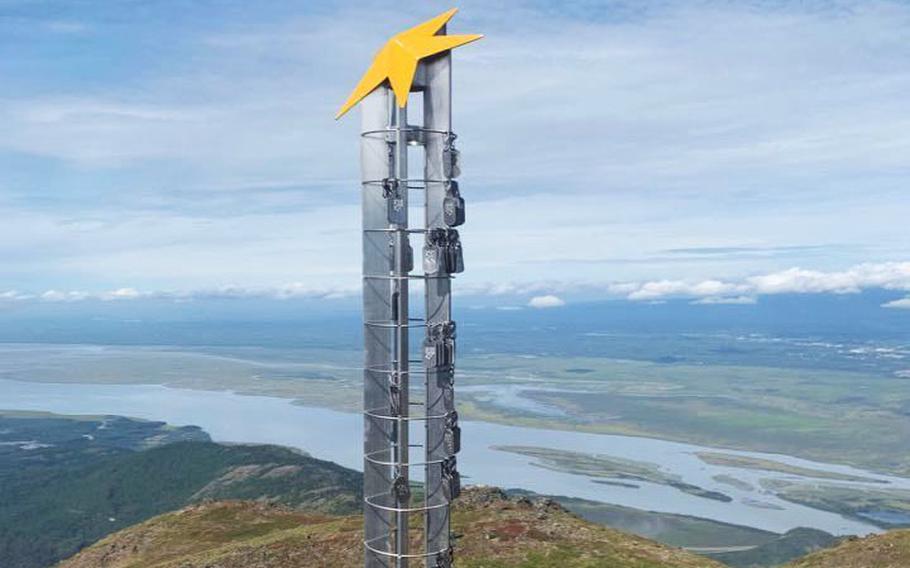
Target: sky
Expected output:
[719,151]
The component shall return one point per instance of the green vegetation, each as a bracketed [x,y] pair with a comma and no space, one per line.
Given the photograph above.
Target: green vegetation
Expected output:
[733,545]
[675,530]
[758,504]
[733,482]
[493,531]
[610,467]
[889,550]
[748,462]
[323,377]
[66,483]
[843,417]
[790,545]
[886,508]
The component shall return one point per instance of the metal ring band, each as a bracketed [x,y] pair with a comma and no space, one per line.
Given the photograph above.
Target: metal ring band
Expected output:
[405,181]
[421,129]
[409,373]
[424,508]
[406,277]
[375,461]
[391,324]
[409,231]
[385,370]
[369,547]
[409,418]
[375,368]
[391,371]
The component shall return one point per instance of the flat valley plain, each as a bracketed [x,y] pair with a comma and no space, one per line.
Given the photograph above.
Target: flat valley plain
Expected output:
[852,417]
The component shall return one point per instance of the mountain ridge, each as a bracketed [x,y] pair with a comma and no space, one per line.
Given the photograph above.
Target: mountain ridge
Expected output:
[492,529]
[77,480]
[887,550]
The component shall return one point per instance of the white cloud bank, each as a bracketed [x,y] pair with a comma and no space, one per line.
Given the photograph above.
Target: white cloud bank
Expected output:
[888,276]
[549,294]
[548,301]
[903,304]
[735,300]
[290,291]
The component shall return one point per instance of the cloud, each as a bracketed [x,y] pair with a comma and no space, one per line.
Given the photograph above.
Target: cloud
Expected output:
[550,294]
[902,304]
[124,294]
[888,276]
[548,301]
[735,300]
[290,291]
[64,296]
[669,288]
[13,295]
[722,145]
[868,276]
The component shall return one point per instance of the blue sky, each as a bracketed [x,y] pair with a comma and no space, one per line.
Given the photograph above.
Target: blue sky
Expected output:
[713,150]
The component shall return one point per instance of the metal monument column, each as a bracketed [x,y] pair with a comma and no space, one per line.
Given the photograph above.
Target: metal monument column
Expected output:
[400,530]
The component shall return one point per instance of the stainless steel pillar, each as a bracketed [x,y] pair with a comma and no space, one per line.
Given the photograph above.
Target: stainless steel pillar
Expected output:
[388,271]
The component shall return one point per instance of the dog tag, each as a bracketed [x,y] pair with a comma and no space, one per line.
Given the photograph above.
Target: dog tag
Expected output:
[453,205]
[401,491]
[451,161]
[408,264]
[394,196]
[453,440]
[446,379]
[451,479]
[394,399]
[454,253]
[431,354]
[432,259]
[434,252]
[452,435]
[445,559]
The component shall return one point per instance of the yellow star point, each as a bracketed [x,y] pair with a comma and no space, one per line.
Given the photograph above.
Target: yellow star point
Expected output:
[397,60]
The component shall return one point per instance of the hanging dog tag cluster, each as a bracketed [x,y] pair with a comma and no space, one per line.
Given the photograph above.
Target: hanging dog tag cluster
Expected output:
[442,253]
[439,346]
[443,256]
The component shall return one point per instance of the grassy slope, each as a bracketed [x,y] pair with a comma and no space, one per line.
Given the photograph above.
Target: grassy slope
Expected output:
[493,532]
[52,515]
[889,550]
[792,544]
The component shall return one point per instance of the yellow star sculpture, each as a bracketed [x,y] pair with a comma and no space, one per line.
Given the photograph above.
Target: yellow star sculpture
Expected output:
[397,60]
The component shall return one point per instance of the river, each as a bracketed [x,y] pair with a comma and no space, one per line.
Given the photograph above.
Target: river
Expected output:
[336,436]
